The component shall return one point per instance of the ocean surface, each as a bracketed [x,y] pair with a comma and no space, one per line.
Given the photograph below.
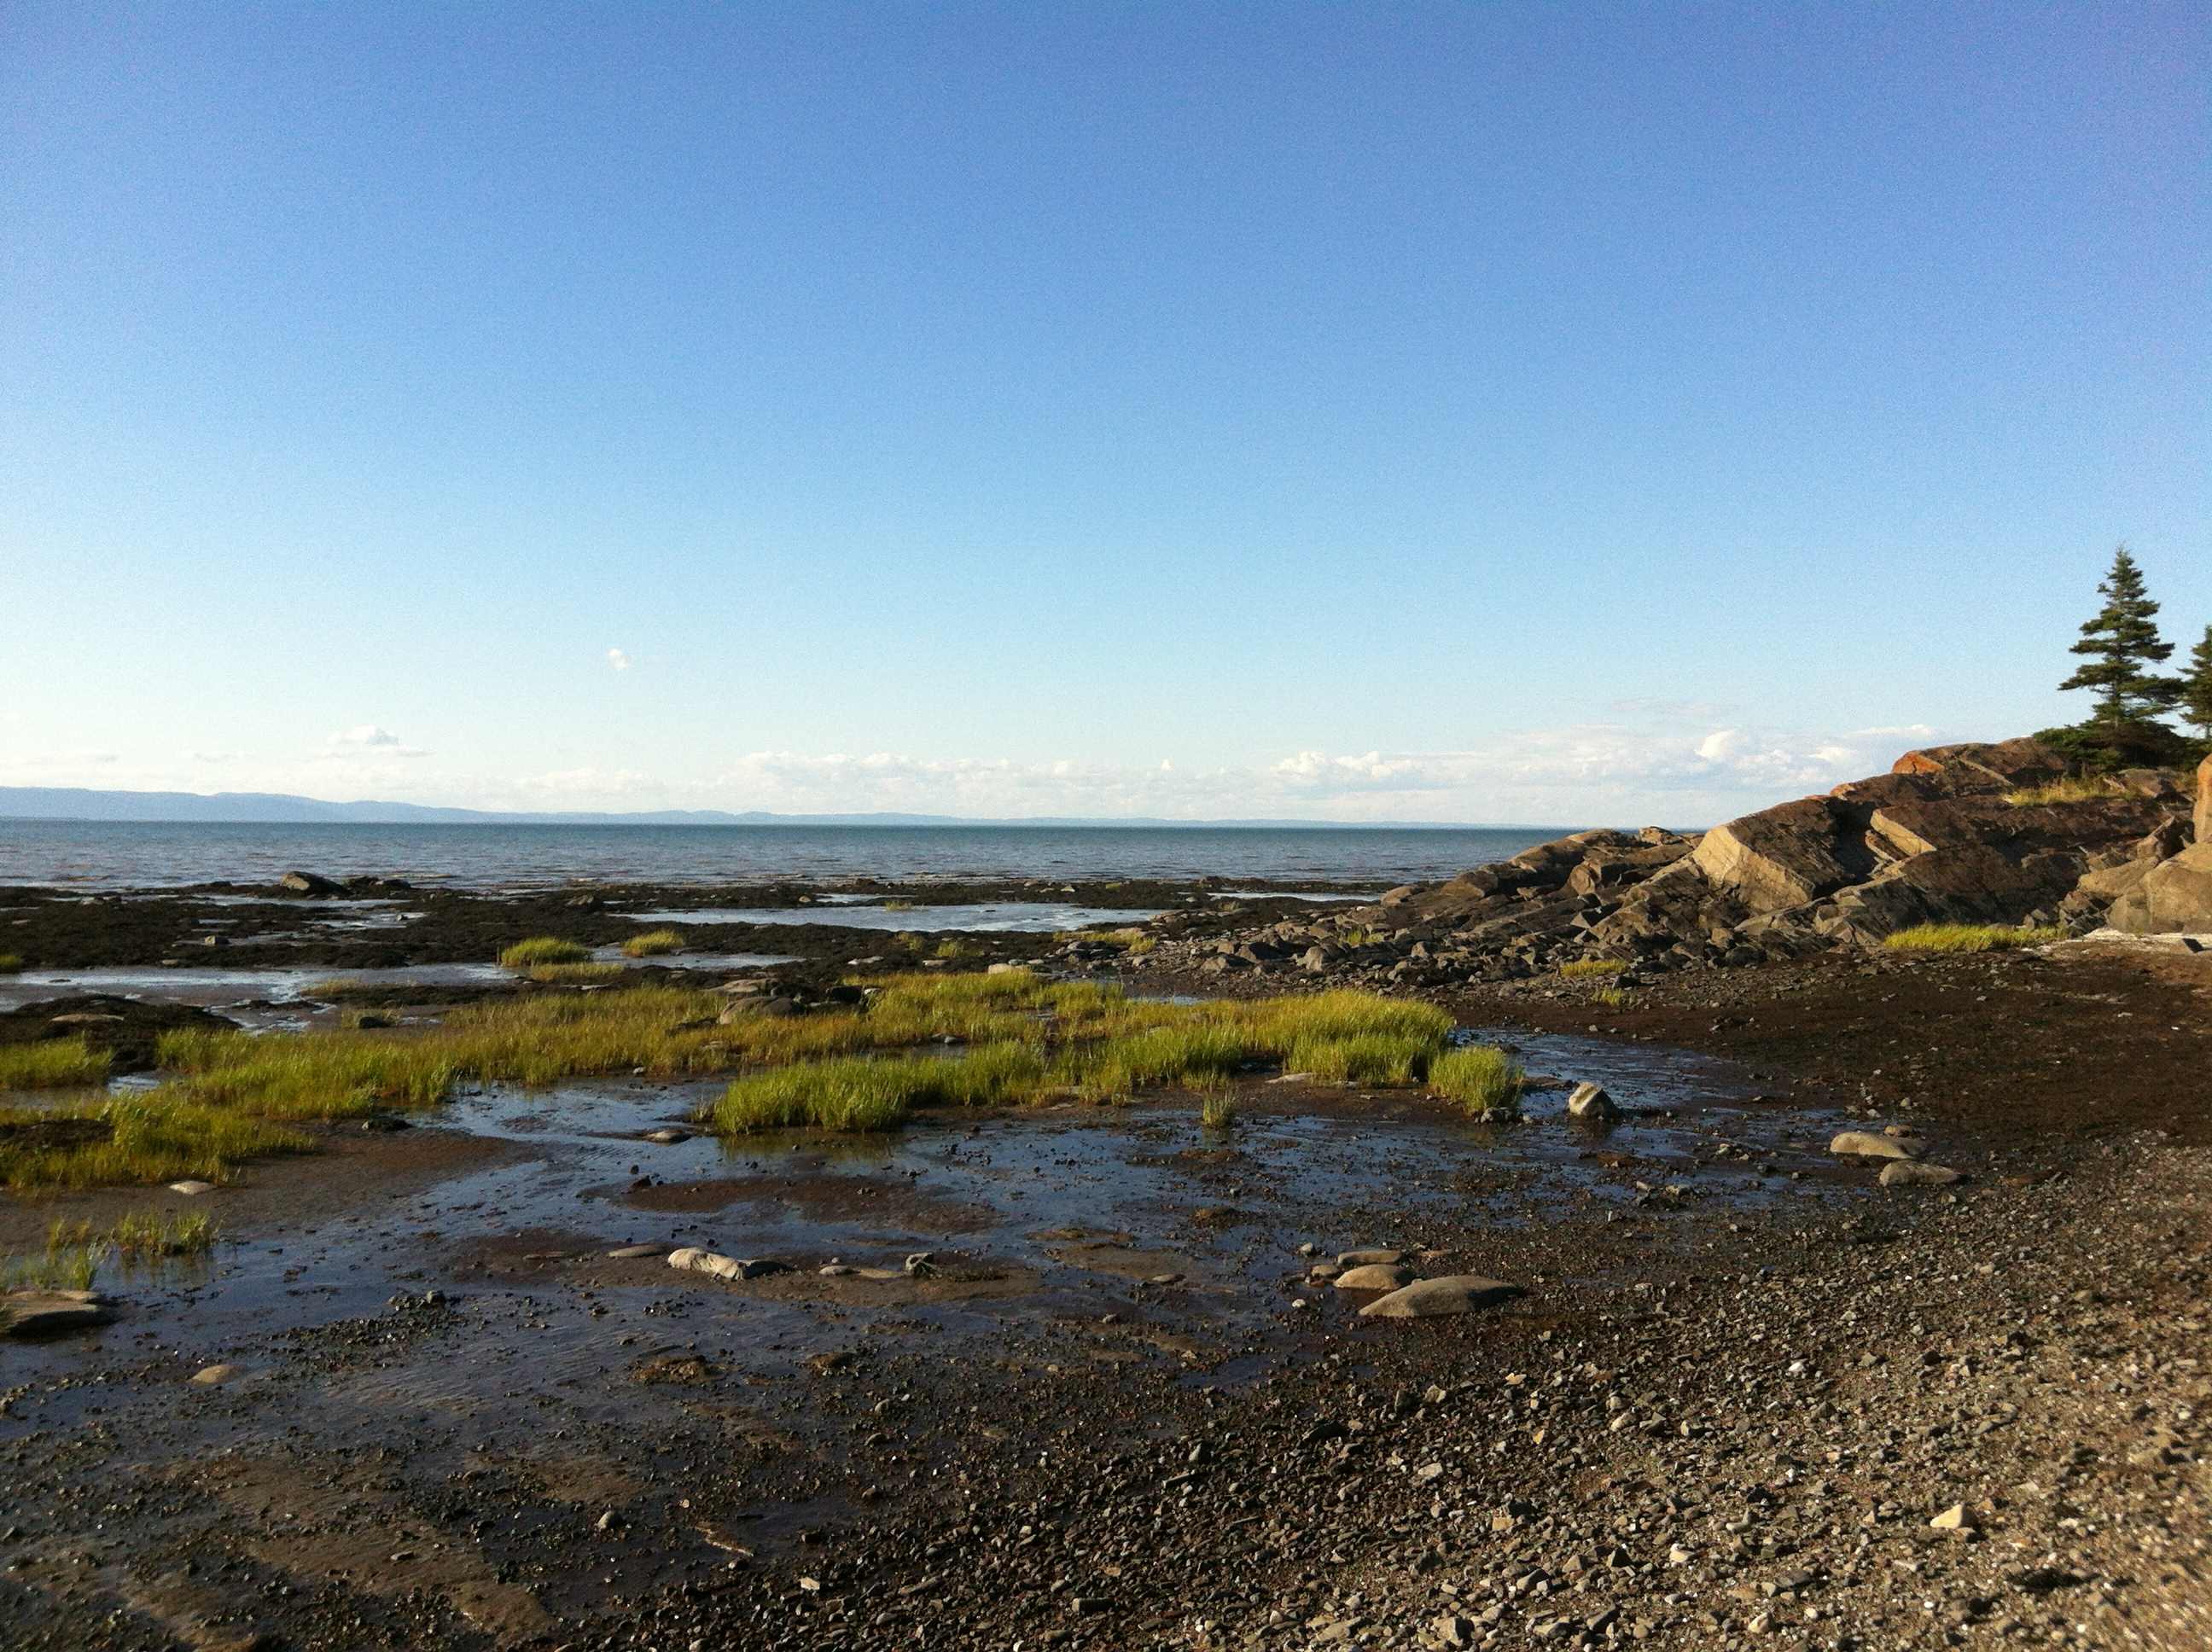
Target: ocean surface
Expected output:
[147,855]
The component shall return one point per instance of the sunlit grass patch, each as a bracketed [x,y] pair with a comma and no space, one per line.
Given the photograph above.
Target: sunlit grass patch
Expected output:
[1218,1112]
[573,975]
[1194,1057]
[1277,1025]
[856,1093]
[1612,998]
[1376,1058]
[2074,788]
[1972,937]
[1590,968]
[308,1076]
[898,906]
[151,1136]
[151,1234]
[52,1064]
[653,944]
[543,948]
[1481,1079]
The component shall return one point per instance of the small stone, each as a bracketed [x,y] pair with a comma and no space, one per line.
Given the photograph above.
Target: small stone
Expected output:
[192,1188]
[1954,1519]
[1374,1276]
[210,1377]
[1907,1173]
[1589,1104]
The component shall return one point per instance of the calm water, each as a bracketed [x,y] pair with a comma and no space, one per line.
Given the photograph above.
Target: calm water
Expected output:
[103,854]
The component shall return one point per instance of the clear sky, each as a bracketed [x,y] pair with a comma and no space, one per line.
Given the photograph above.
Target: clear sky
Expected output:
[1486,412]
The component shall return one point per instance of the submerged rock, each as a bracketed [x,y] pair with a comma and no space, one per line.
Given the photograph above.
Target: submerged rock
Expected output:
[1453,1293]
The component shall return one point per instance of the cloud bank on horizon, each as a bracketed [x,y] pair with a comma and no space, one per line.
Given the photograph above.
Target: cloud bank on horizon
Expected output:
[1588,773]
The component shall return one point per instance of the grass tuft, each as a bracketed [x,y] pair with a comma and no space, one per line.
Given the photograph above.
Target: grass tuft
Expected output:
[52,1064]
[573,975]
[1590,968]
[1374,1058]
[1612,998]
[543,948]
[1217,1112]
[1483,1080]
[10,964]
[1971,937]
[653,944]
[2074,788]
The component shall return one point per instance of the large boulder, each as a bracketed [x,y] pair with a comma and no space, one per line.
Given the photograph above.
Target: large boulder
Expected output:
[1785,856]
[1976,766]
[2174,897]
[1965,884]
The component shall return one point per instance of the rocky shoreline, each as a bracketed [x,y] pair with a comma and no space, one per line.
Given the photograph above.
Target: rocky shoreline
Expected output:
[1953,835]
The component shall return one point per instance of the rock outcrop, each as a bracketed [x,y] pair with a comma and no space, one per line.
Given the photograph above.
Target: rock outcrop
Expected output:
[1953,834]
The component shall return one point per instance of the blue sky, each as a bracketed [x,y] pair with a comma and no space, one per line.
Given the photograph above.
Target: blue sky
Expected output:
[1471,412]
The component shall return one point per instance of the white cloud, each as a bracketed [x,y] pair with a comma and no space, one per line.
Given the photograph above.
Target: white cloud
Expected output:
[365,734]
[618,660]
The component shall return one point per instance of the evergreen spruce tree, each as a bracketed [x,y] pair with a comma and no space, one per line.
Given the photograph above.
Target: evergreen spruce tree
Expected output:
[2122,645]
[2197,687]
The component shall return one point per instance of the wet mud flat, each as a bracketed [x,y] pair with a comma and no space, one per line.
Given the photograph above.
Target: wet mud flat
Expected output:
[391,923]
[1111,1408]
[432,1400]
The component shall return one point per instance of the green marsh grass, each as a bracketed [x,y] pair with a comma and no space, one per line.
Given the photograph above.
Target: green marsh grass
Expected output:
[1612,998]
[1971,937]
[653,944]
[1364,1058]
[543,948]
[1484,1081]
[69,1262]
[52,1064]
[153,1234]
[151,1136]
[1590,969]
[1217,1112]
[573,975]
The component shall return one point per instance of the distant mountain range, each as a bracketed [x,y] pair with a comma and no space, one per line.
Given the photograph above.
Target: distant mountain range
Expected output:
[278,809]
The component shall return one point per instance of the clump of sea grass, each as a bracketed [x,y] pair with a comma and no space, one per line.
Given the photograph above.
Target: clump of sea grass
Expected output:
[543,948]
[1972,937]
[52,1064]
[1586,968]
[1484,1081]
[652,943]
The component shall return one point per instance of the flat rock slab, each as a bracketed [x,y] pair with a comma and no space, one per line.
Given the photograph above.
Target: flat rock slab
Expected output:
[1374,1276]
[52,1313]
[1453,1293]
[1865,1144]
[1904,1173]
[628,1253]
